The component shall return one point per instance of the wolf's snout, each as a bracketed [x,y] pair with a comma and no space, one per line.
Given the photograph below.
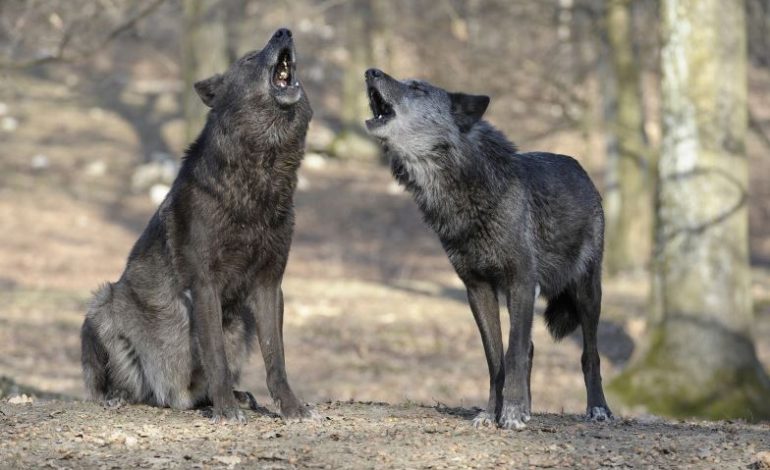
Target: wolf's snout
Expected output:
[285,86]
[373,73]
[382,109]
[282,33]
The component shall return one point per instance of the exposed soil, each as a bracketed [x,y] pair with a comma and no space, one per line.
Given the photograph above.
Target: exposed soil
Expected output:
[362,435]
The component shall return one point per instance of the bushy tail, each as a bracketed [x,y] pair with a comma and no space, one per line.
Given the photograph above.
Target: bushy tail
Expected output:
[94,356]
[561,315]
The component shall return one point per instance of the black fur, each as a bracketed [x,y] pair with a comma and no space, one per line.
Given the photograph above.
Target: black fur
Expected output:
[561,315]
[205,276]
[511,223]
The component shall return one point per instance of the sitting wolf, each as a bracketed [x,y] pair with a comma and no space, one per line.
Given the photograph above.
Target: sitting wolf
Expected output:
[522,224]
[205,276]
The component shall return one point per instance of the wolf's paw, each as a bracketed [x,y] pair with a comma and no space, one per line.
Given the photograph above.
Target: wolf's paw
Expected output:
[513,416]
[230,415]
[246,399]
[598,414]
[115,403]
[299,412]
[483,419]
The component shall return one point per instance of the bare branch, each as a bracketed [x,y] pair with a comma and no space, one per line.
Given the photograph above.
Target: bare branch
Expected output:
[147,11]
[61,50]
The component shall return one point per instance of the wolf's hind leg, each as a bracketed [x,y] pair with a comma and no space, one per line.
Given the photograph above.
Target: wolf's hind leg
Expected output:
[94,356]
[94,359]
[588,298]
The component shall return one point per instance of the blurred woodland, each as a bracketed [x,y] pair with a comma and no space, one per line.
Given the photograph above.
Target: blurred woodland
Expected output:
[666,103]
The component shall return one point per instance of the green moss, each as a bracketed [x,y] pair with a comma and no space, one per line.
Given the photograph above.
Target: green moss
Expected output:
[761,305]
[657,384]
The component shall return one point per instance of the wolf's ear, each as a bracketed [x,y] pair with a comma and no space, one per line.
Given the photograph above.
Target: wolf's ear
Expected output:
[207,89]
[468,109]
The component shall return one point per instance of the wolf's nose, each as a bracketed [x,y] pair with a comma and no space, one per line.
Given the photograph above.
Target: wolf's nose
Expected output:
[282,33]
[373,73]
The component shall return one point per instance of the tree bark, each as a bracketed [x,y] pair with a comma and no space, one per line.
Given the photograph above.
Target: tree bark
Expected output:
[628,198]
[354,101]
[204,53]
[701,358]
[352,142]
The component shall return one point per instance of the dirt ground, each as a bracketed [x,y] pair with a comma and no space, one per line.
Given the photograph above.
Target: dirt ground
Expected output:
[362,435]
[374,313]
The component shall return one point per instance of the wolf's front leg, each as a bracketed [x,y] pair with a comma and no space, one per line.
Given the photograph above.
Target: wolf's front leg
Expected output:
[486,311]
[207,315]
[517,402]
[267,304]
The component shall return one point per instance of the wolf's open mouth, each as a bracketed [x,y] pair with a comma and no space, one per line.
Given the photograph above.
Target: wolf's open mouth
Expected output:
[283,72]
[381,109]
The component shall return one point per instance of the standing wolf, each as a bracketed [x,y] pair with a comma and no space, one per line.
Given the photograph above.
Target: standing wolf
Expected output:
[523,224]
[205,275]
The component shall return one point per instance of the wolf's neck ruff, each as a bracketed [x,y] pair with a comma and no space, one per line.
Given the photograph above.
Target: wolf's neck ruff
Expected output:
[462,174]
[280,128]
[247,181]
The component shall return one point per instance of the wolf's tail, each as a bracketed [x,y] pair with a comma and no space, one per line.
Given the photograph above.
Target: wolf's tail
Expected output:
[94,356]
[561,315]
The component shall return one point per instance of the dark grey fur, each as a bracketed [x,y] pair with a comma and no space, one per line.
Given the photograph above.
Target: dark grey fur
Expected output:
[205,276]
[520,224]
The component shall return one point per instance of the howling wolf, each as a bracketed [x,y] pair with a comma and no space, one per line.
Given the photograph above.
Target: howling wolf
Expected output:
[520,224]
[205,276]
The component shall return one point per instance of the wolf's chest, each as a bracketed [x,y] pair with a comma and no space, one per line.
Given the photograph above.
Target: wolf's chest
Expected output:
[477,255]
[244,245]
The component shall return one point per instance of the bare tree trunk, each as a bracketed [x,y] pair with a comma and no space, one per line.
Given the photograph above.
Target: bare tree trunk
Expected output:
[234,29]
[382,34]
[204,53]
[629,201]
[356,35]
[352,142]
[701,358]
[609,104]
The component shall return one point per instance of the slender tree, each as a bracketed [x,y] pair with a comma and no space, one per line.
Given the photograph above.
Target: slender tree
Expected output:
[701,358]
[204,53]
[628,195]
[357,14]
[351,142]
